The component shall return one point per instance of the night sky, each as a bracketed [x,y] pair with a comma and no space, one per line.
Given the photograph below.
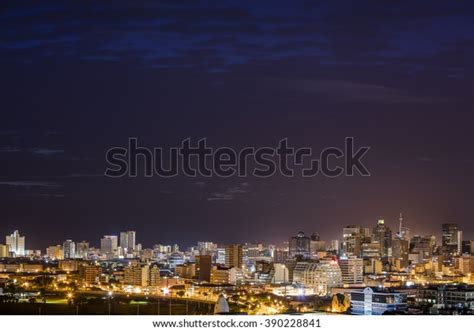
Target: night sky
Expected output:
[77,78]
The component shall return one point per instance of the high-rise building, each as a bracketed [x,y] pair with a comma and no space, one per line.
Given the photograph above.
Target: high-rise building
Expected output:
[252,251]
[451,241]
[108,246]
[352,270]
[69,249]
[383,235]
[316,245]
[206,247]
[90,273]
[203,268]
[422,246]
[334,247]
[300,246]
[233,256]
[400,251]
[55,252]
[16,243]
[127,241]
[352,238]
[281,273]
[82,250]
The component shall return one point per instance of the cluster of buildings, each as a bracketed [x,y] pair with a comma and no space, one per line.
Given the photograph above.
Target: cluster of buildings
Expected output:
[379,270]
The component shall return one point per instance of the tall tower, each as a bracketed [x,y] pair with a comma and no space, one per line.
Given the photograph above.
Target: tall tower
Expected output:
[383,235]
[127,241]
[16,243]
[69,249]
[300,246]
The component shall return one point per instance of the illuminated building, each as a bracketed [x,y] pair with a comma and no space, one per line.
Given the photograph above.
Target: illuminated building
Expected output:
[225,275]
[108,246]
[220,255]
[459,295]
[299,272]
[280,273]
[321,276]
[127,242]
[82,250]
[233,256]
[69,249]
[299,246]
[16,243]
[137,275]
[400,251]
[187,270]
[383,235]
[423,247]
[252,250]
[175,259]
[55,252]
[376,301]
[334,247]
[352,238]
[373,266]
[68,265]
[206,247]
[352,270]
[220,275]
[264,272]
[90,274]
[317,246]
[371,250]
[464,264]
[4,250]
[451,240]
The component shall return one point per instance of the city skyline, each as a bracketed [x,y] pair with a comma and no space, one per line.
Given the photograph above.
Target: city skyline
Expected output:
[118,238]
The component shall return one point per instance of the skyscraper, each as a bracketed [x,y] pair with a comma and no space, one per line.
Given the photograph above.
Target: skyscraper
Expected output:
[69,249]
[352,238]
[108,246]
[16,243]
[203,267]
[300,245]
[383,235]
[127,241]
[82,249]
[233,256]
[451,238]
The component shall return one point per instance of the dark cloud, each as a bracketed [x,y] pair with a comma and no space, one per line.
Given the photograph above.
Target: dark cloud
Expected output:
[80,77]
[28,184]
